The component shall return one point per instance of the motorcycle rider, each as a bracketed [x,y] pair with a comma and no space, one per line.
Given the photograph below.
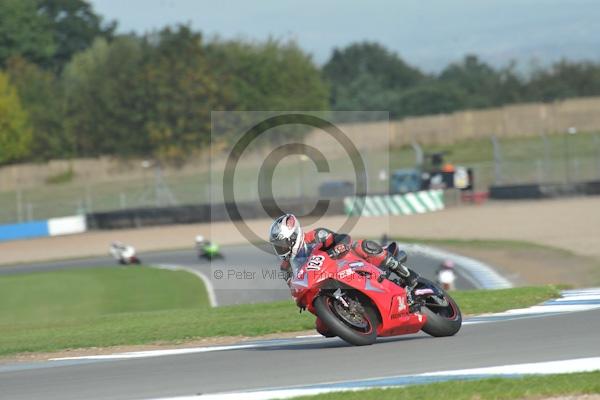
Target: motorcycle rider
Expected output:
[445,275]
[290,241]
[122,252]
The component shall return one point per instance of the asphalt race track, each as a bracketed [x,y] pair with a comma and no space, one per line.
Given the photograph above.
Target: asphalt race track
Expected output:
[237,259]
[306,361]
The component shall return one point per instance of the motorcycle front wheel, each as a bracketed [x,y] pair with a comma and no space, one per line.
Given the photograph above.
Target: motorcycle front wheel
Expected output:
[443,314]
[354,322]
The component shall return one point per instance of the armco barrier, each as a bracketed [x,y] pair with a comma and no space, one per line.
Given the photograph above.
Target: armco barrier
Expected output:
[67,225]
[51,227]
[398,204]
[138,217]
[542,191]
[24,230]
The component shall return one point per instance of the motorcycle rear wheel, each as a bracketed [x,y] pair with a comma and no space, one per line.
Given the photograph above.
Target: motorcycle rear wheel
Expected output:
[357,332]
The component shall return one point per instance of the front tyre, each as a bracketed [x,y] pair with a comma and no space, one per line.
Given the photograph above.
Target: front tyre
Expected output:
[443,314]
[356,324]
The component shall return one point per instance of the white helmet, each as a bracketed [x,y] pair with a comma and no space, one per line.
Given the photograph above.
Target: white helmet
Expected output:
[286,236]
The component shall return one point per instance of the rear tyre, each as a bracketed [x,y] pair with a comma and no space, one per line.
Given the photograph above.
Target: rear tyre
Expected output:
[441,320]
[358,330]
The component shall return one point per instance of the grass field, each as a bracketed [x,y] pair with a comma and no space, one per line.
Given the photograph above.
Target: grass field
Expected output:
[124,306]
[533,387]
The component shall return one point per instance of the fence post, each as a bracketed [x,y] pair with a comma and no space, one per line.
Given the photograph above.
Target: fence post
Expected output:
[29,212]
[540,170]
[19,205]
[597,141]
[546,157]
[123,200]
[497,160]
[88,198]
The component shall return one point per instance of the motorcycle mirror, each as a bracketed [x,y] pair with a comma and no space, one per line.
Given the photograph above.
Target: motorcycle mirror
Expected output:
[401,256]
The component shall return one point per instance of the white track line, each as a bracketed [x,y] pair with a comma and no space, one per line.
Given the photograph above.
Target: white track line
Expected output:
[157,353]
[212,297]
[508,371]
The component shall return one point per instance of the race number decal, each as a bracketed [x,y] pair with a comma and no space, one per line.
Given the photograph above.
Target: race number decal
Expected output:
[314,263]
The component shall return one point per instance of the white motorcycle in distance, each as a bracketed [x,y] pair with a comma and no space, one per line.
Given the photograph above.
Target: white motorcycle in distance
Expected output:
[446,275]
[123,253]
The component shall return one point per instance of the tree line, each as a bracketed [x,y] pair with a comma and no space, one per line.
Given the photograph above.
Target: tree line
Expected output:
[71,87]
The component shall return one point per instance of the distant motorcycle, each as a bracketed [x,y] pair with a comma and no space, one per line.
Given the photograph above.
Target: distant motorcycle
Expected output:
[123,253]
[446,277]
[207,249]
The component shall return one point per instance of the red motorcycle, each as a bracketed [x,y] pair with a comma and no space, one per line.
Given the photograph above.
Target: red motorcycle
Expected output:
[358,301]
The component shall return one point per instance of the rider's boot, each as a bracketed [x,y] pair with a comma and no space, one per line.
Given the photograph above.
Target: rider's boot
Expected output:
[408,276]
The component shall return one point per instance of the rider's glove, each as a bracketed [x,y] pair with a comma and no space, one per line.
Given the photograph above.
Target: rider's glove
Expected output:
[338,250]
[322,236]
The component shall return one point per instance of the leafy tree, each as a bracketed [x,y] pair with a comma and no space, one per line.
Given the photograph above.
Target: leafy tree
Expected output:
[477,79]
[24,32]
[511,86]
[141,96]
[181,92]
[74,26]
[42,98]
[272,75]
[104,97]
[267,76]
[564,79]
[15,133]
[369,72]
[431,97]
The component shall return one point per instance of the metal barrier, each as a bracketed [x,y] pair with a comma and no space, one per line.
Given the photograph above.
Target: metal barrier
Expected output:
[189,214]
[51,227]
[541,191]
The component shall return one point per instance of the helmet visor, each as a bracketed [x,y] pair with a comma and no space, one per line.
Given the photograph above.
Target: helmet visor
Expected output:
[282,248]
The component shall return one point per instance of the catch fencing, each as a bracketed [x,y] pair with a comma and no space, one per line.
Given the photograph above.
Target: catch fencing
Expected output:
[554,143]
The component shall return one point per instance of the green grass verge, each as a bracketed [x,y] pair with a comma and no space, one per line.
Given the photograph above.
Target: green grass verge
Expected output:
[534,387]
[491,244]
[488,301]
[110,306]
[79,293]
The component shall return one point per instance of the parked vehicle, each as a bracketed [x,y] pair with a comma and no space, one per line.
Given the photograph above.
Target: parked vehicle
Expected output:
[434,173]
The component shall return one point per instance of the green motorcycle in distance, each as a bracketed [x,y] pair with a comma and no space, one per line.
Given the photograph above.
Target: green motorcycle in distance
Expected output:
[207,249]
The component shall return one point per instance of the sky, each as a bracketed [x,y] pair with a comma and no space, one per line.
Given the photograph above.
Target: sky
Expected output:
[426,33]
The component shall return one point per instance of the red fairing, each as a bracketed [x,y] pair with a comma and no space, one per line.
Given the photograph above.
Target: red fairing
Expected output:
[375,259]
[355,272]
